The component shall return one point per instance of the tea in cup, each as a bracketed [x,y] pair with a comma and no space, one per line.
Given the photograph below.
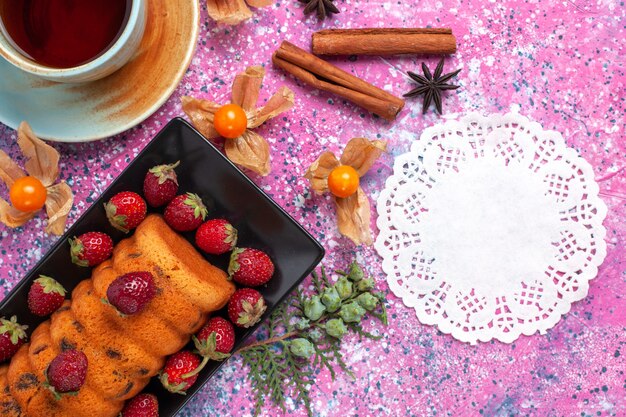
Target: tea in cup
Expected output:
[70,40]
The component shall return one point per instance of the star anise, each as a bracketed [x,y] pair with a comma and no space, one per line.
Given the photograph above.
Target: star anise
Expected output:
[324,8]
[431,85]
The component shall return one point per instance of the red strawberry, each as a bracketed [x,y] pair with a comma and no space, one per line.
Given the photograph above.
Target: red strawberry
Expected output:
[216,339]
[178,374]
[143,405]
[250,267]
[66,373]
[185,212]
[12,336]
[246,306]
[125,210]
[131,292]
[216,237]
[160,184]
[91,248]
[45,296]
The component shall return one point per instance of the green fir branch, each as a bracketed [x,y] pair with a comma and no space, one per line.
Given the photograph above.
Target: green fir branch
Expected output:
[286,320]
[335,348]
[317,283]
[323,360]
[276,320]
[358,329]
[325,277]
[382,316]
[297,301]
[302,379]
[284,364]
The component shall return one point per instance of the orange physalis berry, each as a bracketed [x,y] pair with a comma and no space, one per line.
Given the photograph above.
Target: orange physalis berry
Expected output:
[230,121]
[343,181]
[28,194]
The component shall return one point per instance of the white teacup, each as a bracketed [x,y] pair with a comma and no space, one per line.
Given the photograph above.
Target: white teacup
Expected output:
[108,62]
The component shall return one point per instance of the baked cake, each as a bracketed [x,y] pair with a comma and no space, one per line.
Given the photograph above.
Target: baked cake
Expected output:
[123,352]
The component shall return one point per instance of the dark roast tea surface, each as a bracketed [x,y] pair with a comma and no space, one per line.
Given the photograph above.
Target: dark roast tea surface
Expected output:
[63,33]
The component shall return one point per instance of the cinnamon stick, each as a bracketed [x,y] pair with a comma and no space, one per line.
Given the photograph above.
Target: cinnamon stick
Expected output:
[325,76]
[391,41]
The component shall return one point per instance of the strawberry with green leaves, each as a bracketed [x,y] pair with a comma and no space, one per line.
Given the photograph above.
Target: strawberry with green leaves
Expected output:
[178,374]
[45,296]
[160,184]
[91,248]
[126,210]
[12,337]
[250,267]
[246,306]
[214,341]
[185,212]
[216,237]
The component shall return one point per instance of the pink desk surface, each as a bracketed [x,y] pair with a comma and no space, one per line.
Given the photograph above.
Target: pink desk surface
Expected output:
[561,63]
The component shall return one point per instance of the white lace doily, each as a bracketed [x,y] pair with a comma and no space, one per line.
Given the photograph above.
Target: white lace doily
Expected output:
[490,227]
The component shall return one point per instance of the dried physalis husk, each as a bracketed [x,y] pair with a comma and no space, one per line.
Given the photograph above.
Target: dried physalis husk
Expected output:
[353,217]
[250,150]
[245,93]
[12,217]
[247,87]
[232,12]
[201,113]
[318,172]
[58,205]
[361,153]
[353,212]
[42,162]
[279,103]
[9,170]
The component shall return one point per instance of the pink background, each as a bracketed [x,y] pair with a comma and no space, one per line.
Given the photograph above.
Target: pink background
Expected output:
[559,63]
